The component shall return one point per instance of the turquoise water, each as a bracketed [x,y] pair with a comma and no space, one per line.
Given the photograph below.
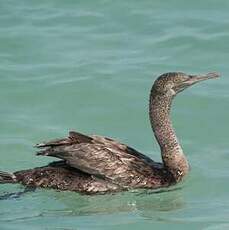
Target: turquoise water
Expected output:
[89,66]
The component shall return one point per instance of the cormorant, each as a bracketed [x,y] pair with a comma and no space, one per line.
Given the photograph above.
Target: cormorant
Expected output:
[96,164]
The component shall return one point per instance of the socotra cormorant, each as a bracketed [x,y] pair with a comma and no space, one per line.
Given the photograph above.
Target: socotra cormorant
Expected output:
[96,164]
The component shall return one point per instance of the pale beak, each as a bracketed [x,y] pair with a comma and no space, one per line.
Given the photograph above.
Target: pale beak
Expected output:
[193,79]
[197,78]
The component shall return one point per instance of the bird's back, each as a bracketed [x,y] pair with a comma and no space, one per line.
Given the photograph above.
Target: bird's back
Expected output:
[107,159]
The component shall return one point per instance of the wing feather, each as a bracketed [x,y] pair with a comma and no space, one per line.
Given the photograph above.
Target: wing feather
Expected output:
[102,157]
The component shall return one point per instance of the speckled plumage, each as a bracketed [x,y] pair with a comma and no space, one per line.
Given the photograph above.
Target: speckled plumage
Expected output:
[60,176]
[95,164]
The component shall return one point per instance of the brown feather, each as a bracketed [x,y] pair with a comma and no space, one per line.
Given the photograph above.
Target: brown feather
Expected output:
[106,158]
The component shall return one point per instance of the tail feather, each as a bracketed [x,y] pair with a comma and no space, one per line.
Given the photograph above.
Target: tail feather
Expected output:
[7,178]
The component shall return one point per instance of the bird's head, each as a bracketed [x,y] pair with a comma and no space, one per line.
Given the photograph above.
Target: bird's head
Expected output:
[172,83]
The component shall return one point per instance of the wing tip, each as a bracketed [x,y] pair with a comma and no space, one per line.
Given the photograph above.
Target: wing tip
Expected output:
[44,152]
[41,153]
[40,145]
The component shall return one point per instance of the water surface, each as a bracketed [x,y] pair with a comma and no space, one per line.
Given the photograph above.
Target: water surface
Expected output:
[89,66]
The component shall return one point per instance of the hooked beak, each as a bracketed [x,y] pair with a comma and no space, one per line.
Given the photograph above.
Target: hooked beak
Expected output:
[193,79]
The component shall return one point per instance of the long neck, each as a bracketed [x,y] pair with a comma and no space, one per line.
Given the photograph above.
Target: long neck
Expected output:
[172,154]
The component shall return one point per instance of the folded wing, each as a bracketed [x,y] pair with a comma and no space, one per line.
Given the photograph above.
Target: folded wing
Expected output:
[102,157]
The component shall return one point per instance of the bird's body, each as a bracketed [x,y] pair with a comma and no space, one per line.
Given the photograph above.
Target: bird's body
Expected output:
[95,164]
